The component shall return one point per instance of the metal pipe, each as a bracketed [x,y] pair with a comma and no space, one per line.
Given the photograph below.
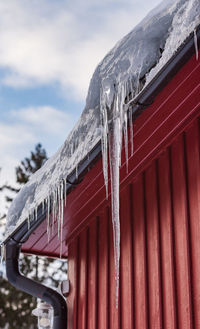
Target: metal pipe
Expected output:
[34,288]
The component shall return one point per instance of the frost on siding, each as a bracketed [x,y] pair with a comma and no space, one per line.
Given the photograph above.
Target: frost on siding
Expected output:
[125,70]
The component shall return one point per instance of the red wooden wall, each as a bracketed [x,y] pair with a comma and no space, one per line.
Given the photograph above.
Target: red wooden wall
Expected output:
[160,249]
[160,224]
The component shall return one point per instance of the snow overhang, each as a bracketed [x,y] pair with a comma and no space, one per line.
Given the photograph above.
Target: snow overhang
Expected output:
[23,232]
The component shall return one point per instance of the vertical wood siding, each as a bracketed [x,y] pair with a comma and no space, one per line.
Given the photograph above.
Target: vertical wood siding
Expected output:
[160,249]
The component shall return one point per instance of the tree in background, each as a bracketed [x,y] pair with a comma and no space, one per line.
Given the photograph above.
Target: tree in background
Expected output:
[15,305]
[30,165]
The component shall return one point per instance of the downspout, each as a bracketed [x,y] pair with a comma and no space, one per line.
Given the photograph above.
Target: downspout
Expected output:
[31,287]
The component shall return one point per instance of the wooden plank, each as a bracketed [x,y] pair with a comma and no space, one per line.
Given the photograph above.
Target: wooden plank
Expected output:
[73,278]
[103,271]
[83,289]
[184,81]
[183,281]
[126,263]
[166,234]
[153,249]
[193,174]
[92,275]
[139,256]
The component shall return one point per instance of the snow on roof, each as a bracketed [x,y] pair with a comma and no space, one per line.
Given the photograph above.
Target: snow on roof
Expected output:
[138,56]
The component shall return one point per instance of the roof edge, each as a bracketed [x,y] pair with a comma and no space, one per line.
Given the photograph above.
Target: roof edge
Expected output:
[138,105]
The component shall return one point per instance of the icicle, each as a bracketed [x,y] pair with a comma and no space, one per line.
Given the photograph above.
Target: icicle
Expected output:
[118,111]
[77,172]
[36,213]
[196,45]
[28,222]
[56,207]
[126,139]
[88,158]
[61,217]
[48,217]
[65,192]
[114,149]
[2,253]
[43,207]
[131,130]
[104,140]
[58,194]
[53,209]
[137,90]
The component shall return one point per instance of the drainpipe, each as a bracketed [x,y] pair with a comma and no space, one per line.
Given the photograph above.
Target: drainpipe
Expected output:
[34,288]
[31,287]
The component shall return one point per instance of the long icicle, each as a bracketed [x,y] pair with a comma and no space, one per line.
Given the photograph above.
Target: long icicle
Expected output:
[196,45]
[61,215]
[114,104]
[114,147]
[104,144]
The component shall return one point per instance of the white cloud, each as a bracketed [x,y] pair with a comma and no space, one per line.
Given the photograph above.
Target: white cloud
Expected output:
[45,119]
[44,42]
[25,128]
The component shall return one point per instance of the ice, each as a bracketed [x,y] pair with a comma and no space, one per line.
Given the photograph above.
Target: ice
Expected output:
[42,206]
[117,80]
[185,19]
[77,171]
[48,217]
[131,130]
[115,105]
[2,258]
[65,192]
[61,216]
[114,148]
[196,45]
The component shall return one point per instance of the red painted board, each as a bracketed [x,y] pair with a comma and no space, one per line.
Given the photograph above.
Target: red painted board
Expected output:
[103,270]
[73,279]
[153,249]
[192,141]
[166,235]
[181,245]
[92,274]
[139,255]
[82,297]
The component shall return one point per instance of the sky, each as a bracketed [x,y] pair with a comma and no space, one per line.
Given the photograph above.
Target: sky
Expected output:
[48,52]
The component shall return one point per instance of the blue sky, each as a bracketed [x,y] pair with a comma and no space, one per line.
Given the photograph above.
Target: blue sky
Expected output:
[48,52]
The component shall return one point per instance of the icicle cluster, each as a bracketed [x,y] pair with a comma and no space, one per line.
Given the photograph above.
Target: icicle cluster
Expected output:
[54,207]
[114,114]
